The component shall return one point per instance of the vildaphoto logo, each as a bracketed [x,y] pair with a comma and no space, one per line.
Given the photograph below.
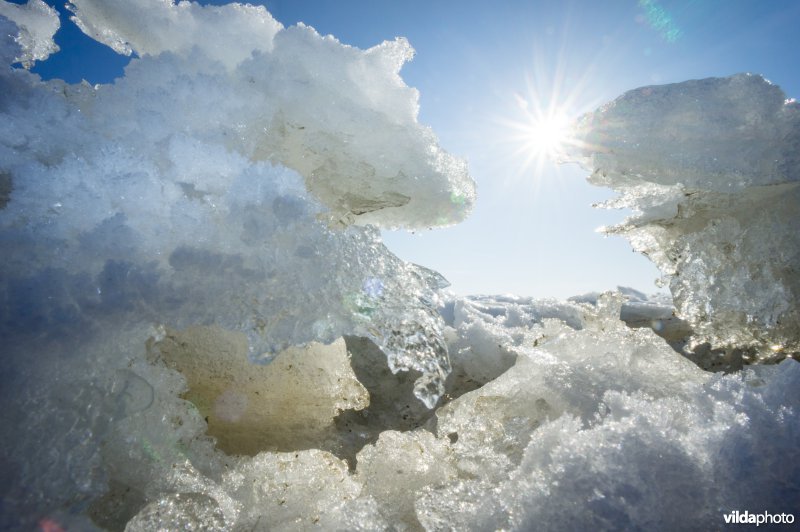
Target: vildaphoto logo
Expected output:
[763,518]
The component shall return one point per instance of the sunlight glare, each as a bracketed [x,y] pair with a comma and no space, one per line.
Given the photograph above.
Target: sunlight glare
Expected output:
[542,134]
[540,123]
[547,134]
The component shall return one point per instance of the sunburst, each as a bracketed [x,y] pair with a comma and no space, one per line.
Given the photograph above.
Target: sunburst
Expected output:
[541,129]
[546,133]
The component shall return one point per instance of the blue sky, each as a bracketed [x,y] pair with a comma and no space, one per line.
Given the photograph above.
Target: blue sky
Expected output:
[533,230]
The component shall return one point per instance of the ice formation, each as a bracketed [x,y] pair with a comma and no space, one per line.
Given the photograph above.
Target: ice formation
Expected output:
[226,167]
[36,24]
[712,167]
[217,207]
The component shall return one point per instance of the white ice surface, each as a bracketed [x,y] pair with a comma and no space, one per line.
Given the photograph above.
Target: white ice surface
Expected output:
[228,183]
[36,24]
[711,168]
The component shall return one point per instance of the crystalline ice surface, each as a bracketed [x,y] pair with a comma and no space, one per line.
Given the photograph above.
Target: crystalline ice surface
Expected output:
[600,426]
[220,202]
[712,169]
[232,179]
[36,24]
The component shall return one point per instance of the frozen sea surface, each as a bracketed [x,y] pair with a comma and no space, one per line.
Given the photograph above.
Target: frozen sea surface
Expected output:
[201,328]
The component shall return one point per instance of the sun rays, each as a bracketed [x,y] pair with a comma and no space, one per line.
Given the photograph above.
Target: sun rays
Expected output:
[545,132]
[540,133]
[542,126]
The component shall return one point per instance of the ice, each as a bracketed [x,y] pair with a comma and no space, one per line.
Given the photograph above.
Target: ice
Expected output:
[146,197]
[149,27]
[187,511]
[36,23]
[605,427]
[249,169]
[711,168]
[233,182]
[288,404]
[341,117]
[202,329]
[398,466]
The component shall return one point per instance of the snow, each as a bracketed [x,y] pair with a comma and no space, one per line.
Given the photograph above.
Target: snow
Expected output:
[202,329]
[197,166]
[711,168]
[36,23]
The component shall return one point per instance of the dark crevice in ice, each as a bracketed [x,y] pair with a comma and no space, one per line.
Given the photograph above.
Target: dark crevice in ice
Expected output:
[678,334]
[392,404]
[6,187]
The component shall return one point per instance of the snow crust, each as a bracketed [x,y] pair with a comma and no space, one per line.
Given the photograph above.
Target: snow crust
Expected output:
[216,207]
[711,167]
[231,33]
[212,186]
[341,117]
[36,23]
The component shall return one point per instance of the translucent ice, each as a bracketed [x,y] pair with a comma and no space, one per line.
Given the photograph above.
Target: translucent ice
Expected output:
[231,182]
[170,197]
[341,117]
[215,203]
[36,24]
[605,427]
[712,169]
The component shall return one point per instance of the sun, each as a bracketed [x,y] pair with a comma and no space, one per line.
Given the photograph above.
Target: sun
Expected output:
[546,133]
[541,113]
[540,134]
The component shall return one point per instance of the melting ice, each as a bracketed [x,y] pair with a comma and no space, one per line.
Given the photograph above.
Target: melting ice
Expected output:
[712,168]
[201,328]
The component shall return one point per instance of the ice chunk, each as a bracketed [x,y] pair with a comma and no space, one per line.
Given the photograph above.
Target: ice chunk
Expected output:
[712,169]
[398,466]
[288,404]
[301,491]
[172,215]
[149,27]
[341,117]
[607,427]
[37,23]
[215,185]
[187,511]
